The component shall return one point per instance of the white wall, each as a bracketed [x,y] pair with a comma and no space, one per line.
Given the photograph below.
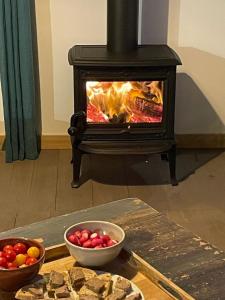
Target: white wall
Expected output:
[196,30]
[202,25]
[72,22]
[201,46]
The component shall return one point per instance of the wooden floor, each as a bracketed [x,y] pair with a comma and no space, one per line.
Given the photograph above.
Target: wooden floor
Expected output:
[31,191]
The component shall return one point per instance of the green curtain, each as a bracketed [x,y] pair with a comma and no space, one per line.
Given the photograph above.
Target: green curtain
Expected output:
[19,79]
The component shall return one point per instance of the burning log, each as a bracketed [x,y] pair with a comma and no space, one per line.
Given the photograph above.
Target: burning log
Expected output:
[149,107]
[120,119]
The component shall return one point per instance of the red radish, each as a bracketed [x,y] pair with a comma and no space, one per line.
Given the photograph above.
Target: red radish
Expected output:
[100,240]
[111,243]
[84,237]
[90,239]
[77,241]
[105,238]
[86,231]
[78,233]
[71,238]
[94,235]
[74,239]
[97,241]
[94,242]
[98,247]
[87,244]
[82,240]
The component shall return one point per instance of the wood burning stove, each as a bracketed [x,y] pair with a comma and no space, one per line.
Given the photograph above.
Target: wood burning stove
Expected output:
[124,94]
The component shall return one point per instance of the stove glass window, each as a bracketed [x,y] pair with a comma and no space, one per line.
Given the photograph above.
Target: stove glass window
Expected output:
[120,102]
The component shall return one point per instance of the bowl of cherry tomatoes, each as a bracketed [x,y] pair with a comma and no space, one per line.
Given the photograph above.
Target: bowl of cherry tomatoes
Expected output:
[20,261]
[94,243]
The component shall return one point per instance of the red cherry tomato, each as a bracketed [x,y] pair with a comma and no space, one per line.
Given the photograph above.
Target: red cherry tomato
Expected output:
[11,265]
[20,248]
[2,254]
[31,261]
[3,262]
[10,255]
[7,247]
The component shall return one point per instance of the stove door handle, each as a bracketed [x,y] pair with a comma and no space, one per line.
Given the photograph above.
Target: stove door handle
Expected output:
[77,117]
[72,131]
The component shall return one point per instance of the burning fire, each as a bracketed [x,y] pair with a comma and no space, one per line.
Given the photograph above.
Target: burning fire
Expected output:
[124,102]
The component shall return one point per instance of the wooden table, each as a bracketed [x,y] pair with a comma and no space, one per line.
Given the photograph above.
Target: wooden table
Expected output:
[193,264]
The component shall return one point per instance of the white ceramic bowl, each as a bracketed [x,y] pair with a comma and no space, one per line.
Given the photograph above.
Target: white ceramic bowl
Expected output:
[96,257]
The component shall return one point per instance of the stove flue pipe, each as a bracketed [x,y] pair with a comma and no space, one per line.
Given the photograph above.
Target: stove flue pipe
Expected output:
[122,25]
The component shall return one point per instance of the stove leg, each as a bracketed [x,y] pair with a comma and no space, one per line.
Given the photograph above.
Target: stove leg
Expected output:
[164,156]
[172,165]
[77,154]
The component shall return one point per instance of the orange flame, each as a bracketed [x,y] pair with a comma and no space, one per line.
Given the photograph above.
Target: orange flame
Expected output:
[118,99]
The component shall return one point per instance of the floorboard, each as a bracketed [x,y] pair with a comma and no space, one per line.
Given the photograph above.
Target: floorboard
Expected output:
[109,179]
[33,190]
[199,202]
[68,199]
[40,203]
[8,214]
[19,196]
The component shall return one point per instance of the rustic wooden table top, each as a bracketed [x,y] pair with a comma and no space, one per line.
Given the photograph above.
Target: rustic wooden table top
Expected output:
[193,264]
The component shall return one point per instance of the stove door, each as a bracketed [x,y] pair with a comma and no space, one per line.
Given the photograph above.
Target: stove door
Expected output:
[128,101]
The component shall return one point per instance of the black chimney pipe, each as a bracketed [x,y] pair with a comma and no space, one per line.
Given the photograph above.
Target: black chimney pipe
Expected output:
[122,25]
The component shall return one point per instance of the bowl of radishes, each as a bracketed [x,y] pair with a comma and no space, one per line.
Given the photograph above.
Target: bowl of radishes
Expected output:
[94,243]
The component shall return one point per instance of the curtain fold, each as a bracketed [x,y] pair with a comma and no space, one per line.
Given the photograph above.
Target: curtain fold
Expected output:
[19,79]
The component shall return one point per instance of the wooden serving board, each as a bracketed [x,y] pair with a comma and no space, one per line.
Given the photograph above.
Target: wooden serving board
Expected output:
[152,283]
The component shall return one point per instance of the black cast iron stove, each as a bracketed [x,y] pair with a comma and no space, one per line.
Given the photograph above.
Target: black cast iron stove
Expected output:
[124,94]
